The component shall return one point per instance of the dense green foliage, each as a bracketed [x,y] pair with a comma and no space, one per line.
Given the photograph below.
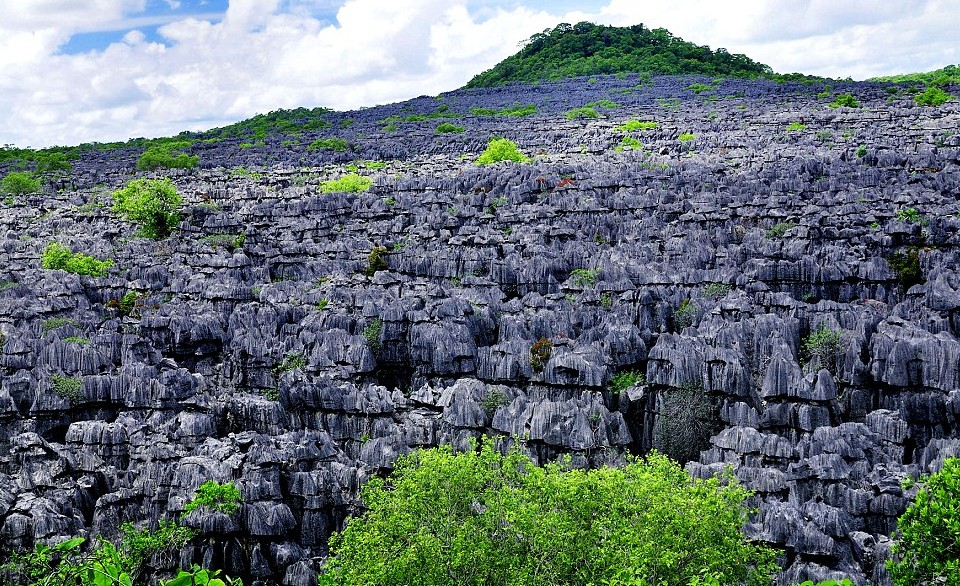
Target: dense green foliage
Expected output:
[845,101]
[58,256]
[167,154]
[331,144]
[589,49]
[153,203]
[501,149]
[446,127]
[822,348]
[626,379]
[927,544]
[932,96]
[215,496]
[350,182]
[19,183]
[481,518]
[939,77]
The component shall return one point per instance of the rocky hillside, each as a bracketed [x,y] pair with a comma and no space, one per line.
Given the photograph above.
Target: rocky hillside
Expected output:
[782,273]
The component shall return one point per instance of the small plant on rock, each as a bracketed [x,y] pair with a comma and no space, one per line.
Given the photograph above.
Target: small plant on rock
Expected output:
[494,399]
[540,353]
[822,348]
[626,379]
[291,361]
[214,496]
[684,316]
[447,128]
[333,144]
[779,229]
[716,290]
[372,333]
[376,261]
[932,96]
[68,387]
[584,277]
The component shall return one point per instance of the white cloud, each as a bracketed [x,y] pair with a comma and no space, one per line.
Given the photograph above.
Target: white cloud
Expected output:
[269,54]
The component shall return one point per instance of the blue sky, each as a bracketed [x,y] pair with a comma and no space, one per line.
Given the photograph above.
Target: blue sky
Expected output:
[102,70]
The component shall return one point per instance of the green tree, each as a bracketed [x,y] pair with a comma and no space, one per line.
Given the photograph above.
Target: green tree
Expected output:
[166,154]
[19,183]
[481,518]
[153,203]
[501,149]
[926,549]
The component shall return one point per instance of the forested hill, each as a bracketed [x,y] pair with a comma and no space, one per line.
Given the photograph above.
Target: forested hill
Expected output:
[589,49]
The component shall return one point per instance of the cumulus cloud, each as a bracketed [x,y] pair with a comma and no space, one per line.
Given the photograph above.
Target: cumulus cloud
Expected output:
[197,72]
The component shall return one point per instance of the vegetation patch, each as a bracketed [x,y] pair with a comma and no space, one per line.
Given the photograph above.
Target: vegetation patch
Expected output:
[57,256]
[349,183]
[448,128]
[625,380]
[635,125]
[152,203]
[540,353]
[845,101]
[329,144]
[20,183]
[214,496]
[167,154]
[501,149]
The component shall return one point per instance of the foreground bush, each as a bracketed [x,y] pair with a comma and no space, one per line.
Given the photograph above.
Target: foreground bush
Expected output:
[153,203]
[501,149]
[58,256]
[927,545]
[19,183]
[482,518]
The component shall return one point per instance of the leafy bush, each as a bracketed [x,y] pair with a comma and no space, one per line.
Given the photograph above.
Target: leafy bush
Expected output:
[822,348]
[376,261]
[684,316]
[932,96]
[57,256]
[795,126]
[582,112]
[540,353]
[332,144]
[635,125]
[861,151]
[198,576]
[906,266]
[686,420]
[152,203]
[167,155]
[291,361]
[446,127]
[516,111]
[925,544]
[910,215]
[626,379]
[629,142]
[19,183]
[55,323]
[845,101]
[584,277]
[501,149]
[686,136]
[494,400]
[349,183]
[68,387]
[480,517]
[699,88]
[214,496]
[372,333]
[779,229]
[717,289]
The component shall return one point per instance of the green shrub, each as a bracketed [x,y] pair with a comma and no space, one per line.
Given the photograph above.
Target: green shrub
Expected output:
[55,323]
[446,127]
[684,316]
[716,289]
[372,333]
[540,353]
[213,496]
[699,88]
[494,399]
[795,126]
[629,142]
[906,266]
[68,387]
[686,136]
[932,96]
[167,155]
[925,543]
[822,348]
[635,125]
[57,256]
[480,517]
[291,361]
[861,151]
[349,183]
[686,420]
[779,229]
[626,379]
[845,101]
[152,203]
[331,144]
[910,215]
[20,183]
[584,277]
[501,149]
[78,340]
[376,261]
[582,112]
[515,111]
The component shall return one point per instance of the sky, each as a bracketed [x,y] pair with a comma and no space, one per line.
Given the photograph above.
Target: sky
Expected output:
[75,71]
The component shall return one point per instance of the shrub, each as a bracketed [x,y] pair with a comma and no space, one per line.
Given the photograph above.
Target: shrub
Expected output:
[349,183]
[501,149]
[583,112]
[494,399]
[126,305]
[845,101]
[822,348]
[68,387]
[480,517]
[906,266]
[932,96]
[925,544]
[795,126]
[779,229]
[686,420]
[684,316]
[152,203]
[446,127]
[332,144]
[213,496]
[699,88]
[55,323]
[626,379]
[635,125]
[540,353]
[372,333]
[20,183]
[716,289]
[910,215]
[629,141]
[861,151]
[584,277]
[376,261]
[167,155]
[57,256]
[291,361]
[686,136]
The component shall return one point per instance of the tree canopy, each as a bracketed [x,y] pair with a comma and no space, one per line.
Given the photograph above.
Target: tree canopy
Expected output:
[482,518]
[590,49]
